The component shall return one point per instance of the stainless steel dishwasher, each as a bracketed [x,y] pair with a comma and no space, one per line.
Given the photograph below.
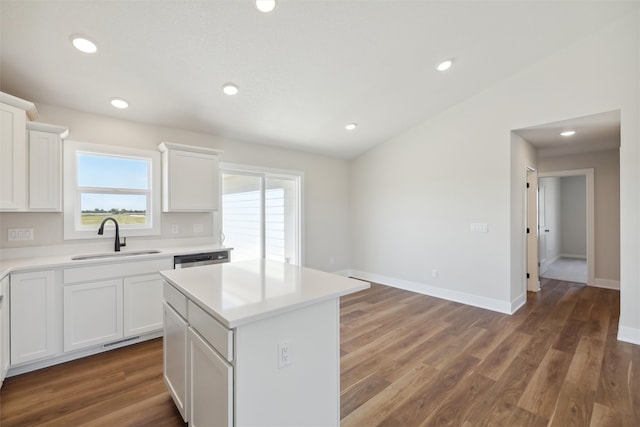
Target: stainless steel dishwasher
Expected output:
[204,258]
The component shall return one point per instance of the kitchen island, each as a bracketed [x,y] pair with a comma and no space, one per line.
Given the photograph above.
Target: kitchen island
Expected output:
[254,343]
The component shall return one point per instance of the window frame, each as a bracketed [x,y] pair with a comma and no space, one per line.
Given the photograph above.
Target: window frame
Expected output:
[73,228]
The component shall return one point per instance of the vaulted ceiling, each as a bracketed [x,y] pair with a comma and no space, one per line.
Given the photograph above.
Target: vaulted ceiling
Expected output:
[304,71]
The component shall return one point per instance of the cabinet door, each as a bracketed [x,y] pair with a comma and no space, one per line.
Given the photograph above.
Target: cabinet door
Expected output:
[5,355]
[33,307]
[13,161]
[92,314]
[44,171]
[193,182]
[210,385]
[175,358]
[142,304]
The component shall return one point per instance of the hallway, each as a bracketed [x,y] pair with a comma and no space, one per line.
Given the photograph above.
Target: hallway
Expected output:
[567,269]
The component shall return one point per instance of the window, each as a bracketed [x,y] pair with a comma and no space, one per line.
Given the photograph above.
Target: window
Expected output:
[104,181]
[261,213]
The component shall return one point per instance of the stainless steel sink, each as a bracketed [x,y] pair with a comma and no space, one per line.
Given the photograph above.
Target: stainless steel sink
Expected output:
[114,255]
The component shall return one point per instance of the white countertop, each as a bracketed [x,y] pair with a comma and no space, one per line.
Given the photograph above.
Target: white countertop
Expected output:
[242,292]
[14,265]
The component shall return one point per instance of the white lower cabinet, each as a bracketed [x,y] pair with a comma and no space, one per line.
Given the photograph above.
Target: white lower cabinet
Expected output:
[33,315]
[92,314]
[234,377]
[109,302]
[199,378]
[175,348]
[105,311]
[210,385]
[142,304]
[5,355]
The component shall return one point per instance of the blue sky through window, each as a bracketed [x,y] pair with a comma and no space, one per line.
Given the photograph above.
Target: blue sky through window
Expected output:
[112,172]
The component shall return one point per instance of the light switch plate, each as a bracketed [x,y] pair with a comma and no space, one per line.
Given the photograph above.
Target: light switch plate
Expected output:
[479,227]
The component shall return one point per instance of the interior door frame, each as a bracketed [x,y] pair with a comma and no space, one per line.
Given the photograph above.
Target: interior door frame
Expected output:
[590,199]
[532,283]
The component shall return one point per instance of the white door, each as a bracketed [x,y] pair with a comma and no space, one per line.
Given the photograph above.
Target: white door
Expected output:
[92,314]
[542,229]
[210,385]
[533,282]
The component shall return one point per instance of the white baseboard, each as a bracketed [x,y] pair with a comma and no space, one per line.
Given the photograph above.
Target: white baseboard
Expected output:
[434,291]
[518,302]
[630,335]
[606,283]
[572,256]
[545,264]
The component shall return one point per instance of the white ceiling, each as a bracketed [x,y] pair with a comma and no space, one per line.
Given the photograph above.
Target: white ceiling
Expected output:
[596,132]
[304,71]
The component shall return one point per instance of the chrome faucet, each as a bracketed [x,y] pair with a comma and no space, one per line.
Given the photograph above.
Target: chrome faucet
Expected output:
[117,243]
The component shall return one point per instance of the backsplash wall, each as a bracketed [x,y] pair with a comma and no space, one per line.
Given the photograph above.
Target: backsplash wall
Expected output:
[48,228]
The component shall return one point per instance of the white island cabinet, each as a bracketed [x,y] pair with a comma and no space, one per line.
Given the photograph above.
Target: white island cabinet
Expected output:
[254,343]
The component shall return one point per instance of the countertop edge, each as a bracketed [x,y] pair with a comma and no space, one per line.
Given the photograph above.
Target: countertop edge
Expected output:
[17,265]
[232,324]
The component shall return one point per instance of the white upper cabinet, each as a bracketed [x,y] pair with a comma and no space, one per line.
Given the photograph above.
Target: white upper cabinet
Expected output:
[13,163]
[190,180]
[45,166]
[30,159]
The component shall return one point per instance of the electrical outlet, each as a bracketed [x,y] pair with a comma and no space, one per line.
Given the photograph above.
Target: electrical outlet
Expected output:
[434,273]
[284,354]
[175,228]
[14,234]
[198,228]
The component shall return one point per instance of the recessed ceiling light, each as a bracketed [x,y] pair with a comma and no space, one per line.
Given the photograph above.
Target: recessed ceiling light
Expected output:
[568,133]
[265,6]
[83,43]
[351,126]
[119,103]
[230,89]
[445,65]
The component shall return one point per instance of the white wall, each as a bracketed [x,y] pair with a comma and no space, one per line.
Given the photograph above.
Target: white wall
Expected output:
[607,215]
[455,169]
[325,204]
[573,222]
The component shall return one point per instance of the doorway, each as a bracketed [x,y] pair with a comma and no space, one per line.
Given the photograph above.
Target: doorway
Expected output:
[566,230]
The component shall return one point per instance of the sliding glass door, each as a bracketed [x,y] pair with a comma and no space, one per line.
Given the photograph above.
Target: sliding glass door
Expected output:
[261,215]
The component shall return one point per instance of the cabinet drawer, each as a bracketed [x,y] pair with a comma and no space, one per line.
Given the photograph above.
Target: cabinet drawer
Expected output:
[119,269]
[175,299]
[211,330]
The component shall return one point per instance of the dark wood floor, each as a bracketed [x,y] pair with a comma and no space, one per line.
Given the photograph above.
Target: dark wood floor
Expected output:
[406,360]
